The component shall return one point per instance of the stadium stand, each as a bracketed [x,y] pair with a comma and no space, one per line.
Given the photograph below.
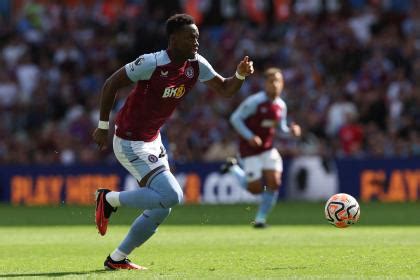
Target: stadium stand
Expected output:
[352,74]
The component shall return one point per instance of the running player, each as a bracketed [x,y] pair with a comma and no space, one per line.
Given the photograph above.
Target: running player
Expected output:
[162,80]
[256,120]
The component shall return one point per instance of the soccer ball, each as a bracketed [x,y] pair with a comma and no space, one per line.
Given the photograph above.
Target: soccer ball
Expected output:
[342,210]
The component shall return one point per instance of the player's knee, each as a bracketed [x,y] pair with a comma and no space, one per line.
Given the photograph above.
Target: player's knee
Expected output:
[255,187]
[172,194]
[272,179]
[174,197]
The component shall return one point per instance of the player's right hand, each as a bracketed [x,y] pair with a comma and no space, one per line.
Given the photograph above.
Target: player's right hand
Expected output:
[100,136]
[245,67]
[255,141]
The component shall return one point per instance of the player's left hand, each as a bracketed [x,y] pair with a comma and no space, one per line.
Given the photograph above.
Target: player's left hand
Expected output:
[245,67]
[296,130]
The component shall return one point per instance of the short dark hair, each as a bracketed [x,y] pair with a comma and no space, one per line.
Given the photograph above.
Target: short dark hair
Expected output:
[177,21]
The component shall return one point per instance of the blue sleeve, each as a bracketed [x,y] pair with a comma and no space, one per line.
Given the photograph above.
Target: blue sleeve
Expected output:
[142,68]
[206,70]
[283,127]
[237,119]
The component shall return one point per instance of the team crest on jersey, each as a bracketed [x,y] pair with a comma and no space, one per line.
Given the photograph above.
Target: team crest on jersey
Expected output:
[152,158]
[189,72]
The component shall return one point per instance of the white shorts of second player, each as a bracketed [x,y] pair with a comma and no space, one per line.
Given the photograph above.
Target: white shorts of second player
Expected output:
[140,157]
[268,160]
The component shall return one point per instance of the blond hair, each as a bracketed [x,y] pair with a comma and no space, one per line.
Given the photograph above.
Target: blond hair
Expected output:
[272,71]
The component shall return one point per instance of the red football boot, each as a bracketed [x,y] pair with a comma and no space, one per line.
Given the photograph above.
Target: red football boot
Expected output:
[103,210]
[110,264]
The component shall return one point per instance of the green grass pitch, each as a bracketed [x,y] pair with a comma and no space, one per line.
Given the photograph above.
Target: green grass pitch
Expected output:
[215,242]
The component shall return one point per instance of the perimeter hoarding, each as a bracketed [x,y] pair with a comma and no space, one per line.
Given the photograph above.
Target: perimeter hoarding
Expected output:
[388,180]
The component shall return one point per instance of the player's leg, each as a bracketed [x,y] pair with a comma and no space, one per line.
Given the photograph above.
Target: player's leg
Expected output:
[141,230]
[268,197]
[145,161]
[149,166]
[249,177]
[272,167]
[148,163]
[162,191]
[161,196]
[231,166]
[253,170]
[145,225]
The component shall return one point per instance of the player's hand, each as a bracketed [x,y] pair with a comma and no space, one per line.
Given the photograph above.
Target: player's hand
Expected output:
[296,130]
[255,141]
[245,67]
[100,136]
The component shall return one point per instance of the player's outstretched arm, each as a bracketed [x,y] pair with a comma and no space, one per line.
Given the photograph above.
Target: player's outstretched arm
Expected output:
[111,86]
[229,86]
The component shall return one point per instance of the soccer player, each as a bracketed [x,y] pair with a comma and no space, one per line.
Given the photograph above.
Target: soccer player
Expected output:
[162,80]
[256,120]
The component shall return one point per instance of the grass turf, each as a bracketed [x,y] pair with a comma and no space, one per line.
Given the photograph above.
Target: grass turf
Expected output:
[215,242]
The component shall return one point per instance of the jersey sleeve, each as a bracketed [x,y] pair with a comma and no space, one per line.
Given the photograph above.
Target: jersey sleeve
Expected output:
[142,68]
[238,117]
[283,127]
[206,70]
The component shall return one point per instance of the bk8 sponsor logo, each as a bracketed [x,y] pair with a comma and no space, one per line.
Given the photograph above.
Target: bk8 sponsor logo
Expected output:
[176,92]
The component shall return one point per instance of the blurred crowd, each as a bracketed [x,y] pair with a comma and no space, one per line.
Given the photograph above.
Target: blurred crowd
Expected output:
[351,69]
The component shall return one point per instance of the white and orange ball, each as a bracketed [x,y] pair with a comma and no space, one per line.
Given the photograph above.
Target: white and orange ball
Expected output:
[342,210]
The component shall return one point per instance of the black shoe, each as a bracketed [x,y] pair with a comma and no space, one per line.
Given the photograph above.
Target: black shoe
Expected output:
[230,161]
[103,210]
[259,225]
[110,264]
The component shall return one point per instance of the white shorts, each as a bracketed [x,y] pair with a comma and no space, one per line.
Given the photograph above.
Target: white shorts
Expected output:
[268,160]
[140,157]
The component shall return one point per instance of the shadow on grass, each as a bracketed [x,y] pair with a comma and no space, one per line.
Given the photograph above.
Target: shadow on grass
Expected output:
[52,274]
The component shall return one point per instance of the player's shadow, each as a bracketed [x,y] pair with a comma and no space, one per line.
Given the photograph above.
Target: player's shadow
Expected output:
[52,274]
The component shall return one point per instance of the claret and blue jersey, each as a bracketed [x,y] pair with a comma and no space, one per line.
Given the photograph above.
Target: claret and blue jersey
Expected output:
[258,115]
[160,86]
